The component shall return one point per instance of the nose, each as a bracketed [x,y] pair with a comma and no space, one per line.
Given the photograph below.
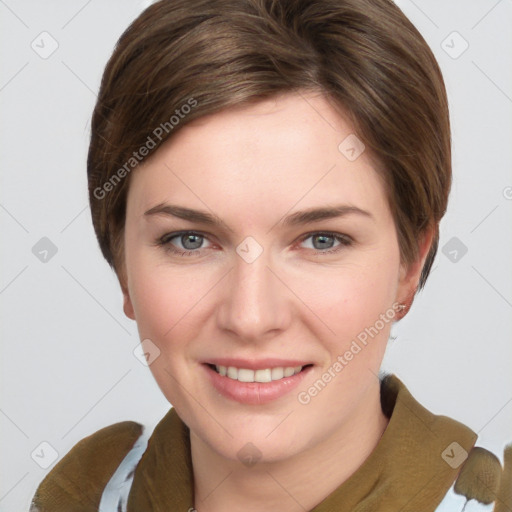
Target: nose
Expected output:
[255,303]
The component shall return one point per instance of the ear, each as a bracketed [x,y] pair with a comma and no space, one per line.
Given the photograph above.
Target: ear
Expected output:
[410,274]
[127,305]
[127,301]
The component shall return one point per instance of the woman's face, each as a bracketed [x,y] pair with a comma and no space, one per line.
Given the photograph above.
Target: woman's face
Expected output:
[246,281]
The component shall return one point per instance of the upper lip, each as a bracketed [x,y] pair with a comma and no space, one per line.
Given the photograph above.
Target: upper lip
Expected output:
[253,364]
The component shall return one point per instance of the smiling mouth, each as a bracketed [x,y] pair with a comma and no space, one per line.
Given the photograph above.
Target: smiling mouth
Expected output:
[262,375]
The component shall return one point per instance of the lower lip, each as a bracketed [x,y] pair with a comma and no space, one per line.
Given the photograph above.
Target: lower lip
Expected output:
[254,393]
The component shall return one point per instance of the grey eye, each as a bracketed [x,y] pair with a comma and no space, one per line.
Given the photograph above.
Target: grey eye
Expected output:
[323,241]
[191,241]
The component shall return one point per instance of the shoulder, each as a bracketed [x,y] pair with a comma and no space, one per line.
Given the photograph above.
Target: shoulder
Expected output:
[477,475]
[78,479]
[481,483]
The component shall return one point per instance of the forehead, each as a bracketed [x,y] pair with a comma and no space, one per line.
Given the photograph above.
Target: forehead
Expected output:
[279,151]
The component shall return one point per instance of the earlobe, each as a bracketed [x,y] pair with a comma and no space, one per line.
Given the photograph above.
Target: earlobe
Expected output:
[127,305]
[127,301]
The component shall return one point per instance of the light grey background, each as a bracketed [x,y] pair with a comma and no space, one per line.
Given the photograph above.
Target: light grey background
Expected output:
[67,363]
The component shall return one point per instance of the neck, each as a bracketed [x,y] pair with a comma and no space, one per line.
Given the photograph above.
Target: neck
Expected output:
[295,484]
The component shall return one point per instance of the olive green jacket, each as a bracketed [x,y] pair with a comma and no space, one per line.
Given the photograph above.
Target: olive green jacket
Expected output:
[421,461]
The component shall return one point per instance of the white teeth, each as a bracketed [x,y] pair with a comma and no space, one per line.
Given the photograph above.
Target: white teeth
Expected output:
[265,375]
[245,375]
[277,373]
[289,371]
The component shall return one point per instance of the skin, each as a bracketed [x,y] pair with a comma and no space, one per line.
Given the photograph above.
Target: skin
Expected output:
[251,167]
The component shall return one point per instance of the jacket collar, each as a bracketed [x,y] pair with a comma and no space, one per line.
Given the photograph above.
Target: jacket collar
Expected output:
[411,468]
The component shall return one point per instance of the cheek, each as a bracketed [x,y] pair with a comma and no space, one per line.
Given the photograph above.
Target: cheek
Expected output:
[163,300]
[351,306]
[166,308]
[351,298]
[170,301]
[361,297]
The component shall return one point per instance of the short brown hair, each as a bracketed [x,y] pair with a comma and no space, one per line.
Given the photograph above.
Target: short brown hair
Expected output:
[364,55]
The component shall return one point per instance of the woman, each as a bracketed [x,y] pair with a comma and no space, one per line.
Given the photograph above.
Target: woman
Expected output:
[267,180]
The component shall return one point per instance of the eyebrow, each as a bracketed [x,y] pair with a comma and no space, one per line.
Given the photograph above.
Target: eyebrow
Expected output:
[294,219]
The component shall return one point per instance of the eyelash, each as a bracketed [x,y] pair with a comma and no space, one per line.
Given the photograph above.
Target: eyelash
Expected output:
[165,242]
